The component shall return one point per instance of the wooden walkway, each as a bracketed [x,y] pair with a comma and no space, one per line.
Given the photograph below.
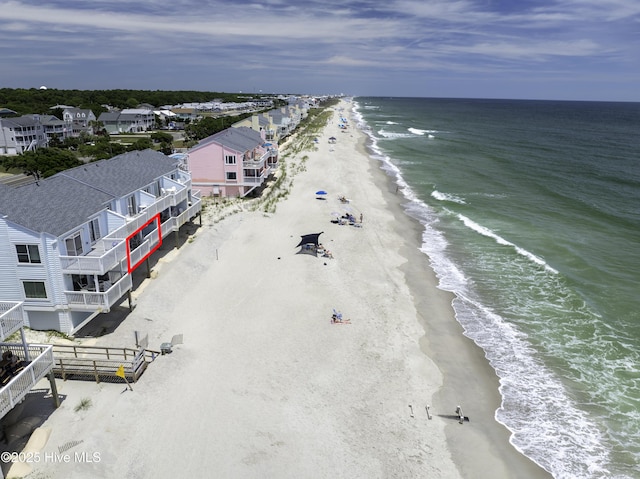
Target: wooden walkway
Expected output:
[100,363]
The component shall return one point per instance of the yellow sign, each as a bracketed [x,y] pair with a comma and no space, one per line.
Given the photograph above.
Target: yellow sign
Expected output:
[120,372]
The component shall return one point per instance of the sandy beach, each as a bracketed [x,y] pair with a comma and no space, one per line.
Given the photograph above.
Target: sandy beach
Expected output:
[265,385]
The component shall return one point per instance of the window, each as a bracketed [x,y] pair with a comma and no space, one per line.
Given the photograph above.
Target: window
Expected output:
[229,159]
[74,244]
[34,289]
[94,230]
[28,253]
[232,175]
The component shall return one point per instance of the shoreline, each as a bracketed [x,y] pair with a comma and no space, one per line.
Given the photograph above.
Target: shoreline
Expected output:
[264,384]
[468,378]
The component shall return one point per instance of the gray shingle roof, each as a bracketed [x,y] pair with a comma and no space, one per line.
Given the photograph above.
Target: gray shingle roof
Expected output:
[109,116]
[239,139]
[21,121]
[60,203]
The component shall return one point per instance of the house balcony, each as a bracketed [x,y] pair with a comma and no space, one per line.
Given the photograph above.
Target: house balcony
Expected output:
[37,363]
[99,300]
[11,318]
[175,222]
[255,164]
[105,255]
[258,179]
[110,251]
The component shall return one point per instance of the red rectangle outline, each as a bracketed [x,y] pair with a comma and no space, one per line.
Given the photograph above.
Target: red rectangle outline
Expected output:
[156,218]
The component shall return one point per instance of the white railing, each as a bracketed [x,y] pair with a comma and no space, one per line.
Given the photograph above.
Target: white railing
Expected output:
[11,318]
[149,242]
[105,256]
[41,363]
[175,222]
[253,180]
[255,164]
[156,207]
[111,250]
[179,196]
[97,300]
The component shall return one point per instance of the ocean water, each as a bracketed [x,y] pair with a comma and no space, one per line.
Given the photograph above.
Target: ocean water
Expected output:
[531,214]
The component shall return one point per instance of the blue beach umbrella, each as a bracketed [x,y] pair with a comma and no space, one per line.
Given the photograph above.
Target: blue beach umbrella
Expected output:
[321,192]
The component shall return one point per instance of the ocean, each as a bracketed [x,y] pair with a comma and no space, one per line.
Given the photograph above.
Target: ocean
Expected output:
[531,215]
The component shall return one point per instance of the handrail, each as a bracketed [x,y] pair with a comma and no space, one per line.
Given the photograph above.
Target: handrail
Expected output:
[11,319]
[25,380]
[101,361]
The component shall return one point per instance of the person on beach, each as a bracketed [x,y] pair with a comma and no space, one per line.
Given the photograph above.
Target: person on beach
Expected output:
[361,217]
[337,318]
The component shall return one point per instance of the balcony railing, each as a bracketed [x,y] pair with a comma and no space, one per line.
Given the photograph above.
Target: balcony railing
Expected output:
[175,222]
[11,318]
[99,300]
[146,247]
[41,362]
[255,164]
[253,180]
[111,250]
[105,255]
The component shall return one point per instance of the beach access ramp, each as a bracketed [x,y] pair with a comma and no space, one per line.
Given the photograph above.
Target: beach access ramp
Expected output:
[101,363]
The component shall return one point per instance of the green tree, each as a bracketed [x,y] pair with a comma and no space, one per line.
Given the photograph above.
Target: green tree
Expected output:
[43,162]
[141,144]
[162,137]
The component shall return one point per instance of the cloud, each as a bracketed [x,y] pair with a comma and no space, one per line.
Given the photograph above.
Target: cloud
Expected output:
[299,44]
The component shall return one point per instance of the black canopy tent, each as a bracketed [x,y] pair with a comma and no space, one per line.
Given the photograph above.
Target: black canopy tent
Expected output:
[309,243]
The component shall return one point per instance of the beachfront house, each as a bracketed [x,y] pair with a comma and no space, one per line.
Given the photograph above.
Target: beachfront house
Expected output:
[20,134]
[70,243]
[286,119]
[232,162]
[263,124]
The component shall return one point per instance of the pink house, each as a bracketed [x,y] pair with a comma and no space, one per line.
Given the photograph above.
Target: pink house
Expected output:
[232,162]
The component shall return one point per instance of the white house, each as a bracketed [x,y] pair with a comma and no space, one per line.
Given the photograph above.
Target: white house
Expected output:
[79,120]
[70,243]
[20,134]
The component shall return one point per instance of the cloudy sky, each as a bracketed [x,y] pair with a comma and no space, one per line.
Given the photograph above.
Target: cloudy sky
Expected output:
[537,49]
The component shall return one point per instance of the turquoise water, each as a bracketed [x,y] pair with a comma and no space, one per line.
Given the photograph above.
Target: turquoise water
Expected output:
[531,212]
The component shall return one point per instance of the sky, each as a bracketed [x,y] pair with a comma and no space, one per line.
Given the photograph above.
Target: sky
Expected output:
[520,49]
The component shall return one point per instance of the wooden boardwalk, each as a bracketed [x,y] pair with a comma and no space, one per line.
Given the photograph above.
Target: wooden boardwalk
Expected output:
[100,363]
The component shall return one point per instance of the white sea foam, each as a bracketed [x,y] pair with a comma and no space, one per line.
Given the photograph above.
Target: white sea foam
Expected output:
[390,123]
[500,240]
[393,135]
[418,132]
[546,424]
[447,197]
[534,401]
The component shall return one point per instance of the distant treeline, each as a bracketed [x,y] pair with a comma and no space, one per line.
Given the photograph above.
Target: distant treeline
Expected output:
[33,100]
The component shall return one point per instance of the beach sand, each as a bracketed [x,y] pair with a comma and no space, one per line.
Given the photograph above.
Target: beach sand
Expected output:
[265,385]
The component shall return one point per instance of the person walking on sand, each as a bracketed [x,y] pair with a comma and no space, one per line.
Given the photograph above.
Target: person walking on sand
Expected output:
[360,217]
